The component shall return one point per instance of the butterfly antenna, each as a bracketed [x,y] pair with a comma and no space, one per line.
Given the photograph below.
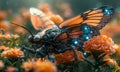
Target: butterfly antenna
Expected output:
[23,27]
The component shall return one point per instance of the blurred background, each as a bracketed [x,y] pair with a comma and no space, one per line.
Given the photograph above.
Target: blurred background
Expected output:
[18,11]
[77,5]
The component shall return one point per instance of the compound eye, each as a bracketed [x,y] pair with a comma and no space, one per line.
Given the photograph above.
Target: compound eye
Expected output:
[30,38]
[37,37]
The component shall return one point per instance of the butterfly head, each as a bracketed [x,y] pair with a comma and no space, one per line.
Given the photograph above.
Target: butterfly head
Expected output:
[34,39]
[107,10]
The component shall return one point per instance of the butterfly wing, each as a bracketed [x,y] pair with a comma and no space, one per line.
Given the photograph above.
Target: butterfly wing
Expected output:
[96,17]
[40,20]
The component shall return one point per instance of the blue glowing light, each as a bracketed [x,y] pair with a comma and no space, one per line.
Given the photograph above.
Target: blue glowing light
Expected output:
[75,41]
[84,53]
[86,29]
[91,31]
[107,11]
[86,37]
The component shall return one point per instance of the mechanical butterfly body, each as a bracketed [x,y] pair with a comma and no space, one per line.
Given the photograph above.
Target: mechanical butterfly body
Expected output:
[70,33]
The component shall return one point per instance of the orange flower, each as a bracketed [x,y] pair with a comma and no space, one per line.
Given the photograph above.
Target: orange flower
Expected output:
[117,49]
[99,44]
[3,15]
[1,64]
[28,66]
[65,9]
[10,69]
[15,36]
[17,19]
[4,25]
[118,70]
[20,21]
[1,36]
[3,48]
[106,57]
[111,62]
[44,7]
[7,36]
[13,53]
[19,30]
[44,66]
[25,13]
[39,66]
[67,57]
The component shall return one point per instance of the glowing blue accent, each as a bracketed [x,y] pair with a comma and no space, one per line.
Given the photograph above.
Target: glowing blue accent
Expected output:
[75,41]
[86,37]
[107,11]
[86,29]
[91,31]
[84,53]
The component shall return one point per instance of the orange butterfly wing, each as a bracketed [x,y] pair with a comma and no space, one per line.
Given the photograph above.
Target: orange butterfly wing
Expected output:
[40,20]
[36,22]
[73,21]
[95,17]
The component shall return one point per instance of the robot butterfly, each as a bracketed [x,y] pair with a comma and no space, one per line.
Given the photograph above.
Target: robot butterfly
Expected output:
[70,34]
